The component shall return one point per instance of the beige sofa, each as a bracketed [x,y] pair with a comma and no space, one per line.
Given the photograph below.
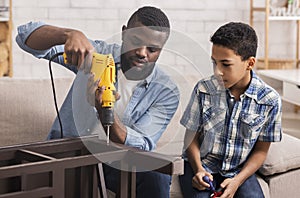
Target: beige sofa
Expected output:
[27,112]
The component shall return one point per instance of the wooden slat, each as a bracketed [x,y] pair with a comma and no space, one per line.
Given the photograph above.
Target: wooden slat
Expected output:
[32,156]
[70,162]
[101,180]
[39,192]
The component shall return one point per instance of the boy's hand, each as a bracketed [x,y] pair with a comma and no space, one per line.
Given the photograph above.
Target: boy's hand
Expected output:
[198,181]
[230,185]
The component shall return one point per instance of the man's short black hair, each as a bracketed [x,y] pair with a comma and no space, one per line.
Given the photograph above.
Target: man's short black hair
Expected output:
[237,36]
[152,17]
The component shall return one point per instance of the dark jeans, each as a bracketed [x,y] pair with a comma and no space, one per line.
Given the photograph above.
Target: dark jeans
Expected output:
[249,189]
[148,184]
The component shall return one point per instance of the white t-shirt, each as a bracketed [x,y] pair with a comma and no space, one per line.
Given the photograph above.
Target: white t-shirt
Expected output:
[125,89]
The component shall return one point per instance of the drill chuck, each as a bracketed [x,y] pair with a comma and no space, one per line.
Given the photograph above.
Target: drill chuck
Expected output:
[107,117]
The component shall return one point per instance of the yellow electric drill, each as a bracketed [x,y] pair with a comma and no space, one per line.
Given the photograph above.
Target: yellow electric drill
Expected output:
[103,66]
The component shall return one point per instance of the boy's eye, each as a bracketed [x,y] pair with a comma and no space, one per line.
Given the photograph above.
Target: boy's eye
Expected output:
[213,62]
[226,65]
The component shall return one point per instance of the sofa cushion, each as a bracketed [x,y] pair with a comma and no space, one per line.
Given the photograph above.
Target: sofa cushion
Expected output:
[284,185]
[282,156]
[27,108]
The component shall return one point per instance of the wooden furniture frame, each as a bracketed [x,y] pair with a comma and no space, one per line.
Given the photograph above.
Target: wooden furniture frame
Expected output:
[67,168]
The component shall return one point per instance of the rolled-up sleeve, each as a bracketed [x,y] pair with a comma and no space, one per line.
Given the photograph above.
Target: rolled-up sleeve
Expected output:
[24,32]
[137,140]
[148,128]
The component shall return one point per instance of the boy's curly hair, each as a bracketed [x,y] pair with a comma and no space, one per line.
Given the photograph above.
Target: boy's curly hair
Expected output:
[237,36]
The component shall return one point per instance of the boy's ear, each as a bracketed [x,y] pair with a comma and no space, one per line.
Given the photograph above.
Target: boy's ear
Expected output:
[251,63]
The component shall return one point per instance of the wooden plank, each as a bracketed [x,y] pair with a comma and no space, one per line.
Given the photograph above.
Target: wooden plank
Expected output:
[58,182]
[39,192]
[69,162]
[32,156]
[101,180]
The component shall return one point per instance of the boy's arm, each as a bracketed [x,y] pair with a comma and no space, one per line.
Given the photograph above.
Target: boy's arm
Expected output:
[193,154]
[254,162]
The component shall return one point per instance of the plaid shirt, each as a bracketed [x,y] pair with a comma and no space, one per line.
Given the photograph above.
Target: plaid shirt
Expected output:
[227,140]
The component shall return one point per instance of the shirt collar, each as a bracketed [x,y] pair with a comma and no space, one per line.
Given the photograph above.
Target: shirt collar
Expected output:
[212,86]
[150,77]
[253,88]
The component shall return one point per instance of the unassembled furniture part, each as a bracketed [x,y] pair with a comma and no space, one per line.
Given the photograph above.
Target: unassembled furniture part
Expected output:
[70,168]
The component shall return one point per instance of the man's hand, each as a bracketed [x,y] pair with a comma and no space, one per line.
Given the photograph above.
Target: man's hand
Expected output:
[94,93]
[198,181]
[77,47]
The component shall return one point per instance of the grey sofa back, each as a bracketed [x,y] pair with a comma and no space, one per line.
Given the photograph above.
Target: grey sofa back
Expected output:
[27,108]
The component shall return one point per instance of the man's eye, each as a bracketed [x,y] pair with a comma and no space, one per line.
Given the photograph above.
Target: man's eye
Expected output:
[153,49]
[226,65]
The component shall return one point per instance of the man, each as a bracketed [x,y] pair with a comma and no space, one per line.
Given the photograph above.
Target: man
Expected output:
[148,100]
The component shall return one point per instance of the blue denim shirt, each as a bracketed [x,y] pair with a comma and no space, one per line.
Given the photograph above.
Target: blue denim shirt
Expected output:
[147,114]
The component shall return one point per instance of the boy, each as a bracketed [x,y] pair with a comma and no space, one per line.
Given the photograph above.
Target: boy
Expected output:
[231,119]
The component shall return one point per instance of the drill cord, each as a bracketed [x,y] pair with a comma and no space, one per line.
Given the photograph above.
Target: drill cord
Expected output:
[54,93]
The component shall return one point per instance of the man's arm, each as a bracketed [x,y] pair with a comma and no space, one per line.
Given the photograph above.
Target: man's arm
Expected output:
[119,131]
[46,37]
[191,140]
[254,162]
[148,126]
[77,46]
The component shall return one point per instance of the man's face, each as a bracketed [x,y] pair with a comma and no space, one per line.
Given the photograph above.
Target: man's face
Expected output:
[141,48]
[229,68]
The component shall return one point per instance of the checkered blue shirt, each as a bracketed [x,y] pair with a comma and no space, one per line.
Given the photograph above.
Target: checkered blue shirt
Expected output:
[227,140]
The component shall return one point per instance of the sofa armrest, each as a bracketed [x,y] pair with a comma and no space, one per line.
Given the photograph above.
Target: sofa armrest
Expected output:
[282,156]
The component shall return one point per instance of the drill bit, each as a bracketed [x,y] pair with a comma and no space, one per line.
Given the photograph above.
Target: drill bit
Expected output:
[107,137]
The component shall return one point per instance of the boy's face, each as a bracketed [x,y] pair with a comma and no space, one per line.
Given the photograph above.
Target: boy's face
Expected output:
[141,48]
[230,69]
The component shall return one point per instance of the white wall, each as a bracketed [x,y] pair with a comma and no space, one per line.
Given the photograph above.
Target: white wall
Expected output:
[99,19]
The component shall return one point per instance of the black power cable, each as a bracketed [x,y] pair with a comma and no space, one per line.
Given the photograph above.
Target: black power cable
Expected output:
[54,93]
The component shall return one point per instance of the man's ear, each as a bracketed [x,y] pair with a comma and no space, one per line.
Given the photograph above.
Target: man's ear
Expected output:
[124,28]
[251,63]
